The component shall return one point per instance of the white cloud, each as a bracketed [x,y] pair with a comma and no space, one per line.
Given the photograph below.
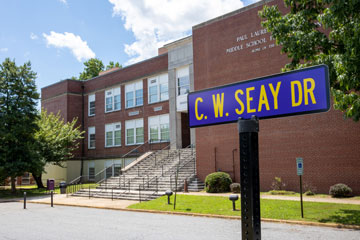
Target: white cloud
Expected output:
[78,47]
[4,49]
[63,1]
[156,22]
[33,36]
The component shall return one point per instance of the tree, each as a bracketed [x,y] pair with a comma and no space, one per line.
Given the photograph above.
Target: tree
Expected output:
[18,114]
[112,65]
[55,142]
[92,69]
[322,32]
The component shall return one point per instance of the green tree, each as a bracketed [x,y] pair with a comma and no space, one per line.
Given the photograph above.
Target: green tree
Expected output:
[55,142]
[92,69]
[18,114]
[112,65]
[322,32]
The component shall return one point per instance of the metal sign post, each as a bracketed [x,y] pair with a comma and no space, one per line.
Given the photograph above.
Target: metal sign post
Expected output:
[249,172]
[300,171]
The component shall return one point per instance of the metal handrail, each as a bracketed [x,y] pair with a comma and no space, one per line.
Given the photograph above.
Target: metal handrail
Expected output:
[177,167]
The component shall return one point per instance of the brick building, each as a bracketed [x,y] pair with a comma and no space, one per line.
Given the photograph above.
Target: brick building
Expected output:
[127,111]
[123,109]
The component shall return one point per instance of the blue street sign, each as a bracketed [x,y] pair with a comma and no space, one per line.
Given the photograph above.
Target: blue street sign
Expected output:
[299,166]
[292,93]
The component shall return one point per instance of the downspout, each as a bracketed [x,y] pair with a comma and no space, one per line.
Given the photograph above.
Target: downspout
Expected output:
[82,129]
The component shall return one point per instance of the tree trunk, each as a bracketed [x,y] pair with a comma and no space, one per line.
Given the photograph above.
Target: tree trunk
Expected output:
[38,181]
[13,186]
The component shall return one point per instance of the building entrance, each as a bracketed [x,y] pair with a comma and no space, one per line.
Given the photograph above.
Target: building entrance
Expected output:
[185,130]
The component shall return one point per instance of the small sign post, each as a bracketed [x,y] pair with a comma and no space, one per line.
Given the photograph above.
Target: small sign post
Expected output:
[300,171]
[303,91]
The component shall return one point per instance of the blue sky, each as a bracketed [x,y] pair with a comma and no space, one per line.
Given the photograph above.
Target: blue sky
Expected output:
[57,36]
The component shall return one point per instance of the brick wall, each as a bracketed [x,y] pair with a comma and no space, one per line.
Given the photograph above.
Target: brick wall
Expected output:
[66,97]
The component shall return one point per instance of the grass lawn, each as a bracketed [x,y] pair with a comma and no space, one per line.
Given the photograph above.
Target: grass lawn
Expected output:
[275,209]
[32,191]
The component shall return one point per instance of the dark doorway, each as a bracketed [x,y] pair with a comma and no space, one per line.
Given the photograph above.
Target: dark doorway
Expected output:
[185,130]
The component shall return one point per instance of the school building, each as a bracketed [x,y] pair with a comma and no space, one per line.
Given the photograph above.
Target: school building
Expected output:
[144,106]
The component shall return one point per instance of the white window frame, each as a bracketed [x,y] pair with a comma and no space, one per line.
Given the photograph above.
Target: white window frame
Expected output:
[91,99]
[134,88]
[180,73]
[112,94]
[134,124]
[156,83]
[159,121]
[91,131]
[112,128]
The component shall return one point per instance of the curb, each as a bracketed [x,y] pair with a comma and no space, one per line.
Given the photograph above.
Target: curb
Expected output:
[294,222]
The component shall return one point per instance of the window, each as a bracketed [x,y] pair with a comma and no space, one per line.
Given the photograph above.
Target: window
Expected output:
[113,135]
[91,140]
[134,131]
[91,105]
[112,99]
[159,128]
[158,88]
[134,94]
[183,81]
[91,168]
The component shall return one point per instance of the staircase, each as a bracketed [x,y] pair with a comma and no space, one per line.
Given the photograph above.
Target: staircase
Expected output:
[196,185]
[149,178]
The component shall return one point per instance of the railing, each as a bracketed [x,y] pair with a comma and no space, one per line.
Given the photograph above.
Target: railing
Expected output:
[101,177]
[172,172]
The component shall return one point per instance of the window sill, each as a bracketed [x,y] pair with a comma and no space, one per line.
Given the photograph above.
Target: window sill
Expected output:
[126,108]
[91,115]
[134,144]
[158,102]
[113,111]
[155,142]
[112,146]
[91,148]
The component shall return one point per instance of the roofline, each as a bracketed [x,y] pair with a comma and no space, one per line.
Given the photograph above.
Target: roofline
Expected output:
[82,81]
[178,41]
[143,61]
[230,14]
[61,81]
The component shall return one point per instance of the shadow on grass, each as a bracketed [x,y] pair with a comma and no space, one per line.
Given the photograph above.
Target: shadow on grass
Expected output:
[343,216]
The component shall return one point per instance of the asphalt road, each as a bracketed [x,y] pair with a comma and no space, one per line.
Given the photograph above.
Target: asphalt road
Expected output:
[43,222]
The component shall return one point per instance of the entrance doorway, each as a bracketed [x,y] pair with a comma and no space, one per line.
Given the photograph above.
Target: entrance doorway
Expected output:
[185,130]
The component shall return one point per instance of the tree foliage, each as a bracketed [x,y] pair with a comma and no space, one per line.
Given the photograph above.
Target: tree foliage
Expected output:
[55,142]
[93,67]
[322,32]
[112,65]
[18,113]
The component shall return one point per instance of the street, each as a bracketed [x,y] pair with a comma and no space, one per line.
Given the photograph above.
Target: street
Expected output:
[40,221]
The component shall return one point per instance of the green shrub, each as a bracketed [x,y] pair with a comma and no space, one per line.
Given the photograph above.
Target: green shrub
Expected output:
[235,187]
[217,182]
[340,190]
[281,192]
[309,193]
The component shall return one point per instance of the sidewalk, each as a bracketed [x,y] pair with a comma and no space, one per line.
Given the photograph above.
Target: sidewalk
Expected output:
[281,197]
[61,199]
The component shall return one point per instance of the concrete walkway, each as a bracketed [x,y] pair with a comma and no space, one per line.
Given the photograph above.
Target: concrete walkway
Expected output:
[62,199]
[291,198]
